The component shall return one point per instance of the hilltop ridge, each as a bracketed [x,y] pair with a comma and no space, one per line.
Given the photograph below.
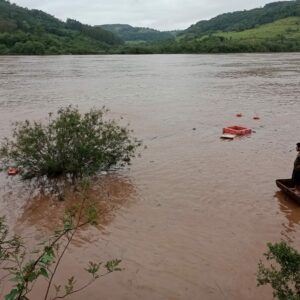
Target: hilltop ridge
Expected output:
[25,31]
[129,33]
[246,19]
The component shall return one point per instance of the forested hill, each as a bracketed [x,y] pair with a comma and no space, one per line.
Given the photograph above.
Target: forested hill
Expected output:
[24,31]
[272,28]
[129,33]
[247,19]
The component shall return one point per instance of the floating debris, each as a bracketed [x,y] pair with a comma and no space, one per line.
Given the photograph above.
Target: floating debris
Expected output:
[227,136]
[12,171]
[237,130]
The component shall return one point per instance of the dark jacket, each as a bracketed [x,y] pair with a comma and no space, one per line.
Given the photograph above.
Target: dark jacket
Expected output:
[296,171]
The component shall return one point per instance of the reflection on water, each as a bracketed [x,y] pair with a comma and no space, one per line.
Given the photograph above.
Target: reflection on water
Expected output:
[42,215]
[291,210]
[34,214]
[107,193]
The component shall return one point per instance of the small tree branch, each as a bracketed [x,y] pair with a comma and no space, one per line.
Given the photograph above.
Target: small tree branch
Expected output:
[81,288]
[65,248]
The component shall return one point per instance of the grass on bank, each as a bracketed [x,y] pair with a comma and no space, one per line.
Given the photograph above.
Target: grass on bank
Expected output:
[288,28]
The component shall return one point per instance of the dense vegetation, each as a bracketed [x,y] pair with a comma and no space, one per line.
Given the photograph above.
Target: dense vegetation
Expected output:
[282,271]
[272,28]
[280,36]
[129,33]
[24,31]
[242,20]
[67,147]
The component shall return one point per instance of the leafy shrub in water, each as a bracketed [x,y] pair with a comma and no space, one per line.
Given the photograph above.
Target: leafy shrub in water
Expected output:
[284,276]
[70,146]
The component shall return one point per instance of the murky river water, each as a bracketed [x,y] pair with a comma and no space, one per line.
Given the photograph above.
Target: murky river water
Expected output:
[195,213]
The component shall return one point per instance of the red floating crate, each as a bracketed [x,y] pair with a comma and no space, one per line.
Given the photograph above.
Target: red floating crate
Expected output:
[12,171]
[237,130]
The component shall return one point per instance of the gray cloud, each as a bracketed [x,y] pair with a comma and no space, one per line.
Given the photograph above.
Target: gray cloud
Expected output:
[159,14]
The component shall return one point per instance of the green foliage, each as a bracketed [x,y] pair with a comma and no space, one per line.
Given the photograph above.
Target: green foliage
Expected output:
[24,31]
[130,33]
[113,265]
[95,33]
[8,245]
[242,20]
[280,36]
[272,28]
[284,31]
[70,146]
[284,276]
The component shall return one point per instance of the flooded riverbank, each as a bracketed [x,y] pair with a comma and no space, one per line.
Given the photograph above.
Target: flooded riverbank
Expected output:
[194,212]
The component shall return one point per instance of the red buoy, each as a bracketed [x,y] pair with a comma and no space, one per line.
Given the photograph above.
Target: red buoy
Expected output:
[12,171]
[256,118]
[239,115]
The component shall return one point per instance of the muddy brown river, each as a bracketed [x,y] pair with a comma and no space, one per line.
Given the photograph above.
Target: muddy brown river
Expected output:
[194,213]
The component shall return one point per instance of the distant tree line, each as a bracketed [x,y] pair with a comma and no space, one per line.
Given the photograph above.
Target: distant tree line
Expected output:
[213,44]
[24,31]
[130,33]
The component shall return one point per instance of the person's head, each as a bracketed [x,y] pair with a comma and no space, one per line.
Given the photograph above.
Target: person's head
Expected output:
[298,147]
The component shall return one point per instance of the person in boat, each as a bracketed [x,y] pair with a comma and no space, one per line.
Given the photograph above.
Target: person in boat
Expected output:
[296,171]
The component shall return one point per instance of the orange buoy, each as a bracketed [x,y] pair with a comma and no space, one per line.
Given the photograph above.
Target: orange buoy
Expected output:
[12,171]
[239,115]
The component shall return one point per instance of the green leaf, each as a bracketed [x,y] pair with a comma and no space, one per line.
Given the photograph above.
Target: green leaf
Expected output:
[112,265]
[57,288]
[12,295]
[44,272]
[32,276]
[46,258]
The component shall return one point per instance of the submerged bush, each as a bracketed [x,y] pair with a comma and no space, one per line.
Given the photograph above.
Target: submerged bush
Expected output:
[70,146]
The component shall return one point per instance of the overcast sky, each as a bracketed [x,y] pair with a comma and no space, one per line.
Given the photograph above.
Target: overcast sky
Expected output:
[158,14]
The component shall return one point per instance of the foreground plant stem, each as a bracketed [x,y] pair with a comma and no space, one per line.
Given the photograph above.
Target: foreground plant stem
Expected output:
[65,248]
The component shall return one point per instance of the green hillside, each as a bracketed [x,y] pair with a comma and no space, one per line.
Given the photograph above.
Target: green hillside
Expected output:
[247,19]
[279,36]
[24,31]
[284,29]
[273,28]
[129,33]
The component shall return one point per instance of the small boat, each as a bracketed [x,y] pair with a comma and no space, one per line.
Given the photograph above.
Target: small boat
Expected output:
[287,186]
